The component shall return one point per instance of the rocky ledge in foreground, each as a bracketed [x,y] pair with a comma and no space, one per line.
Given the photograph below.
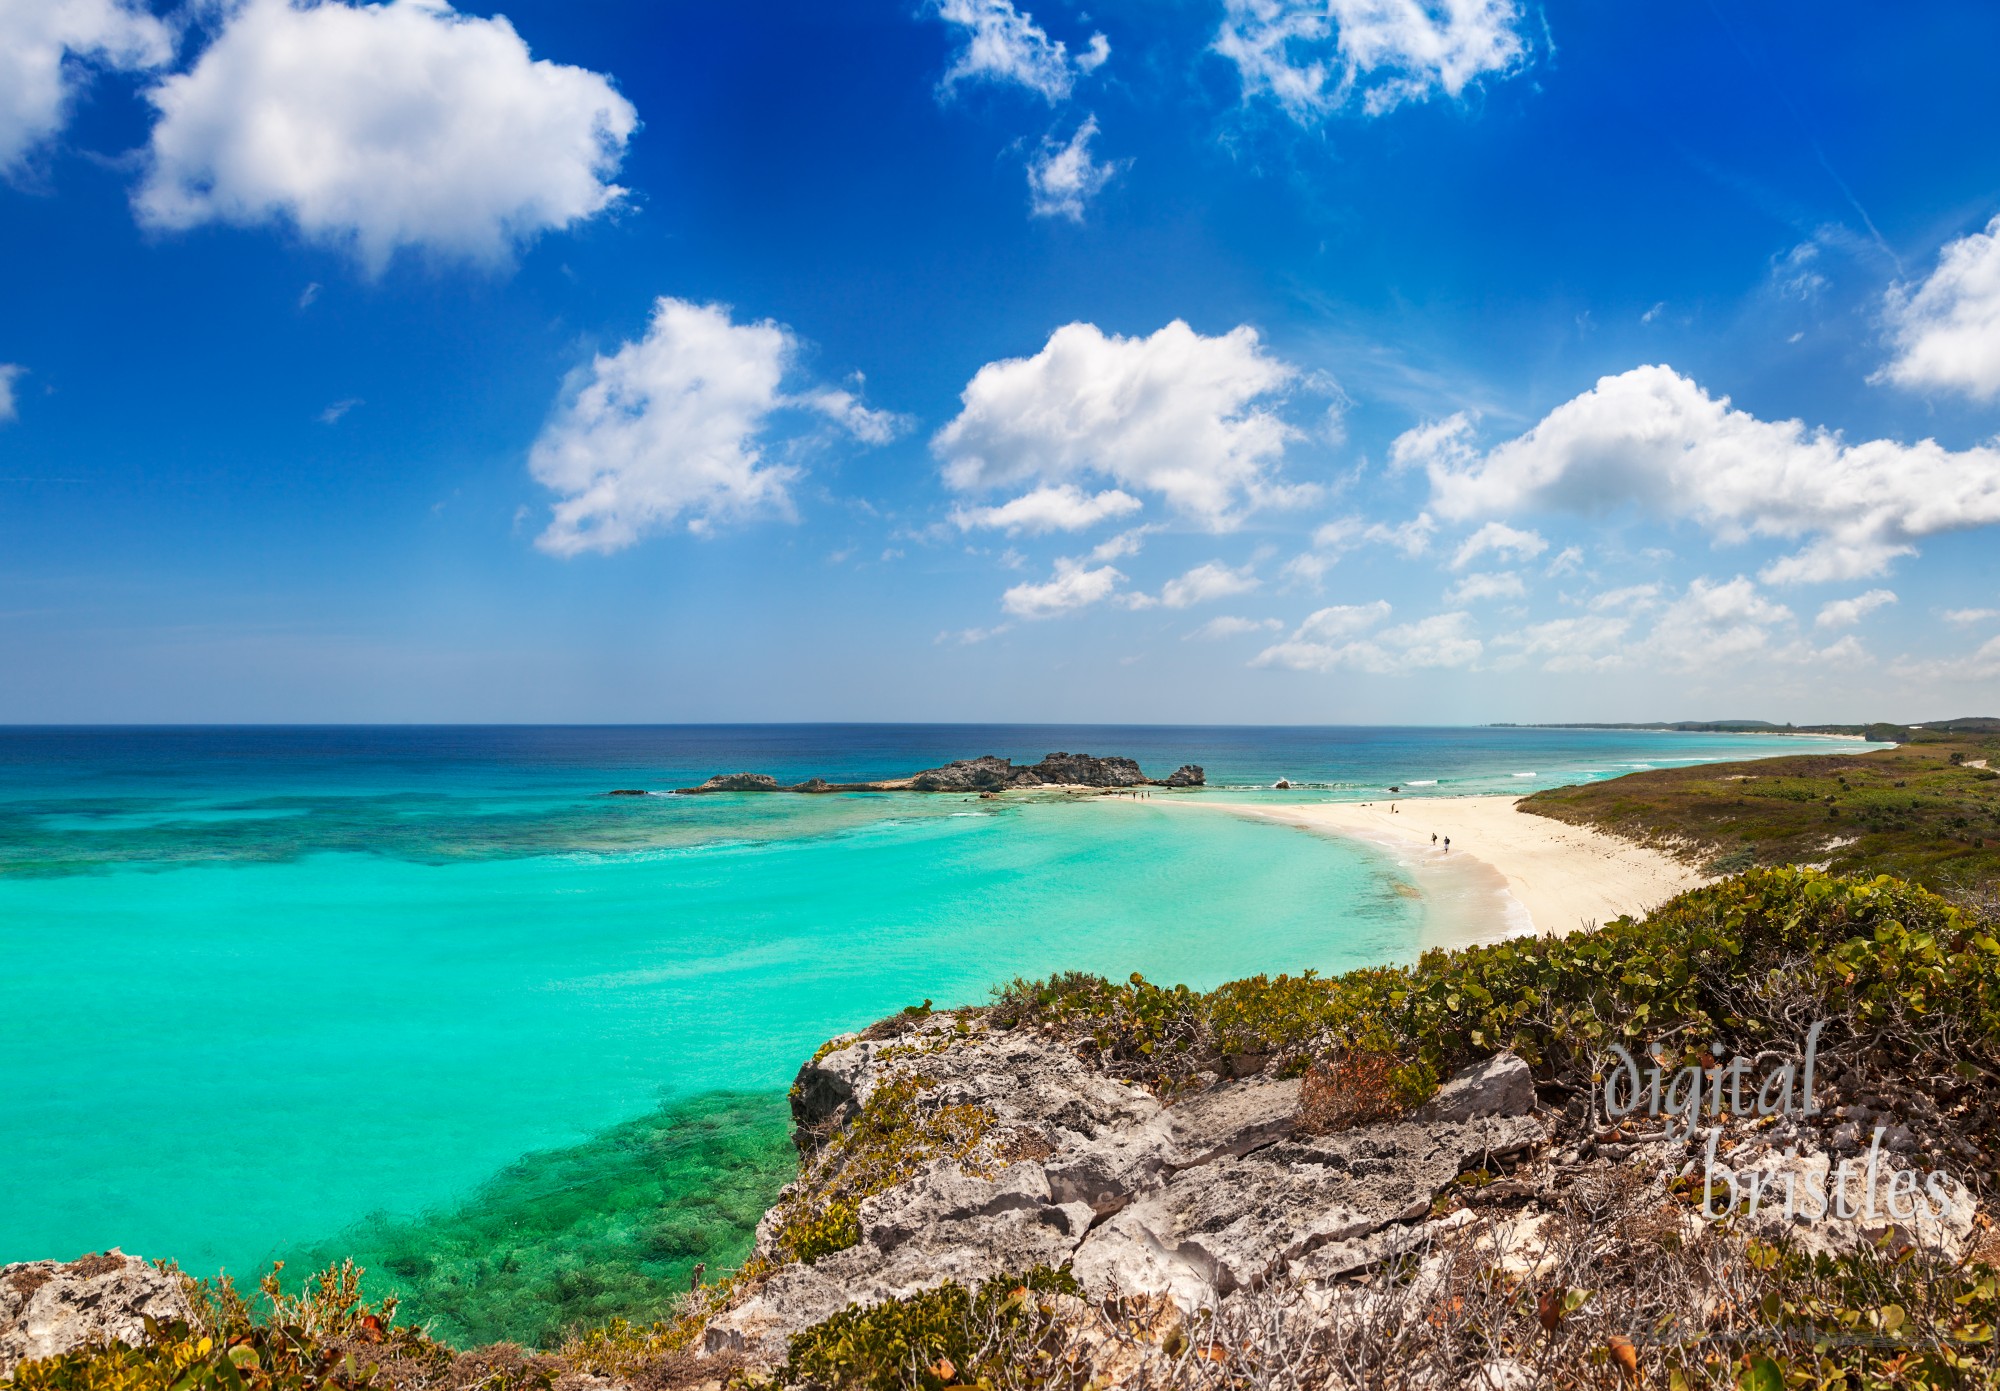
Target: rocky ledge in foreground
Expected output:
[944,1148]
[50,1307]
[983,774]
[1021,1155]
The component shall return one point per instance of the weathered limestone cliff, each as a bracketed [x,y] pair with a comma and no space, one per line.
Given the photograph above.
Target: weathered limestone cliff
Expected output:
[1051,1162]
[945,1149]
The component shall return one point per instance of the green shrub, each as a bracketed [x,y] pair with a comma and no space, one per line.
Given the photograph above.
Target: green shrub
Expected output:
[947,1336]
[894,1137]
[1913,975]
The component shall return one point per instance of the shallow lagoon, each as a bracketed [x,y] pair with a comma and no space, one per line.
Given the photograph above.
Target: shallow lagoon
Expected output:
[276,990]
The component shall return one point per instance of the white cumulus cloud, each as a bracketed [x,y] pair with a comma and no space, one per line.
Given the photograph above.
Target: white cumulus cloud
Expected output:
[1632,596]
[675,425]
[1229,626]
[1074,586]
[1123,544]
[382,127]
[1845,613]
[1652,439]
[1063,178]
[1497,538]
[47,48]
[10,373]
[1590,643]
[1002,44]
[1412,538]
[1349,636]
[1480,585]
[1946,331]
[1184,416]
[1967,617]
[1982,666]
[1716,625]
[1314,57]
[1207,582]
[1340,621]
[1063,507]
[1712,628]
[1443,640]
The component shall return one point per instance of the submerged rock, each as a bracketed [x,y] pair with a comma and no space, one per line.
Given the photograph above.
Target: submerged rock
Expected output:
[48,1308]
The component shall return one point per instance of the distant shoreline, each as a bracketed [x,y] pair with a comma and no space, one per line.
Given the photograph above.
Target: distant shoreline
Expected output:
[1857,733]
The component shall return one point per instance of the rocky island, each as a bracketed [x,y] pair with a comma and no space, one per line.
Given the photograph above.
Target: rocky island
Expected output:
[1055,772]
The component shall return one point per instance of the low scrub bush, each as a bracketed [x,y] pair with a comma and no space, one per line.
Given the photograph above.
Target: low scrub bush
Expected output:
[1909,981]
[1006,1332]
[1358,1088]
[898,1133]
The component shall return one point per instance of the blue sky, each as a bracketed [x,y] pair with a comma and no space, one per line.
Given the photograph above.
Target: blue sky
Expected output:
[1259,360]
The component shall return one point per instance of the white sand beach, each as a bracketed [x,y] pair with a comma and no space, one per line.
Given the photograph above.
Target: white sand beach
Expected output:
[1507,872]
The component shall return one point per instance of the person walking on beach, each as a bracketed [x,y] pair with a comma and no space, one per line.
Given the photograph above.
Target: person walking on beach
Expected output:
[1447,845]
[1434,837]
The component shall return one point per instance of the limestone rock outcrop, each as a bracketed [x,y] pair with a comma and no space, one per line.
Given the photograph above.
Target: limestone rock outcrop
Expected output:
[983,774]
[1088,770]
[1215,1193]
[1503,1085]
[48,1308]
[739,782]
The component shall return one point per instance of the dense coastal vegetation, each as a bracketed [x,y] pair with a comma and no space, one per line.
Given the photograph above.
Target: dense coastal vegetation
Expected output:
[1905,968]
[1927,810]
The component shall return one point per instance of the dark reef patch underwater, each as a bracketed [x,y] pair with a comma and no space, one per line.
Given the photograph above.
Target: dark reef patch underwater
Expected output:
[565,1238]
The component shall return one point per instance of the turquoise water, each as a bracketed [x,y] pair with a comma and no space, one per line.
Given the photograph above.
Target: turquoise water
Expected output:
[274,991]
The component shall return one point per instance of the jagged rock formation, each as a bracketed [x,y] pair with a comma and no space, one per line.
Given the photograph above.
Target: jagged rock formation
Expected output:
[1013,1152]
[1087,770]
[1217,1193]
[739,782]
[986,773]
[48,1308]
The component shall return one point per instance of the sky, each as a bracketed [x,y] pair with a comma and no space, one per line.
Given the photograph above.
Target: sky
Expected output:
[1227,361]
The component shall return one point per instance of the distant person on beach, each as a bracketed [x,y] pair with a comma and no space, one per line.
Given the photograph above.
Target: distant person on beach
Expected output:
[1434,837]
[1447,843]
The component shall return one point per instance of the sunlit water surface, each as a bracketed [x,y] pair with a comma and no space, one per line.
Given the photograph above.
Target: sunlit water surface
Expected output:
[431,996]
